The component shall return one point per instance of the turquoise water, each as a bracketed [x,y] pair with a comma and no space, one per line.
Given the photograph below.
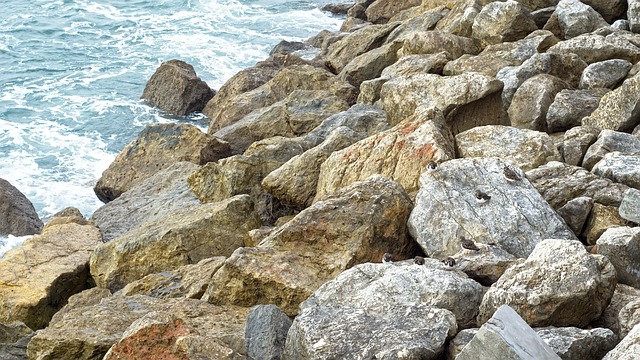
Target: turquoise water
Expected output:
[72,72]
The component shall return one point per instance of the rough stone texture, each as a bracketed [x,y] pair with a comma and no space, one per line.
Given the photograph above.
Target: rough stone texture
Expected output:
[68,215]
[594,48]
[266,332]
[628,348]
[354,225]
[294,77]
[571,343]
[414,64]
[604,74]
[380,11]
[37,277]
[359,334]
[618,109]
[600,219]
[459,19]
[620,168]
[629,316]
[569,107]
[461,339]
[630,206]
[576,142]
[400,97]
[375,287]
[14,338]
[356,43]
[575,213]
[633,14]
[182,237]
[18,217]
[506,336]
[434,41]
[370,64]
[154,198]
[610,141]
[176,89]
[524,148]
[502,21]
[560,284]
[155,148]
[609,9]
[484,266]
[188,281]
[400,153]
[621,246]
[530,103]
[516,217]
[416,20]
[576,18]
[610,318]
[559,183]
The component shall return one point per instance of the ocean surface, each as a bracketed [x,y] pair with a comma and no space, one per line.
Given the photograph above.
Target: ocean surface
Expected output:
[72,72]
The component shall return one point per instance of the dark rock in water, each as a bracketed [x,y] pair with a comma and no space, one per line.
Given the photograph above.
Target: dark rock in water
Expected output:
[266,332]
[337,9]
[286,47]
[176,89]
[18,217]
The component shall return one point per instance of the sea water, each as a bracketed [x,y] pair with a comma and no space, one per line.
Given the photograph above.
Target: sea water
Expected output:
[72,72]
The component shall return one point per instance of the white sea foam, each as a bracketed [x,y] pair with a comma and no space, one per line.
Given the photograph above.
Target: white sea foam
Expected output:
[8,243]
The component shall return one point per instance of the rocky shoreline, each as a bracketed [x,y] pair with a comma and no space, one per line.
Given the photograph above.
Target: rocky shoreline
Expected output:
[489,152]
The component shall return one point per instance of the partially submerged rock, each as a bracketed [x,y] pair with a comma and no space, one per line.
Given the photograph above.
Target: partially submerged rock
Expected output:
[18,217]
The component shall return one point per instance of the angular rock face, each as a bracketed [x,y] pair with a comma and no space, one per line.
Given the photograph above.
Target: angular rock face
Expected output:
[515,217]
[610,141]
[569,107]
[618,109]
[506,336]
[576,142]
[610,318]
[576,18]
[604,74]
[400,153]
[182,237]
[484,266]
[370,64]
[37,278]
[575,212]
[502,21]
[624,169]
[266,332]
[600,219]
[593,48]
[633,14]
[431,42]
[531,102]
[621,245]
[419,332]
[176,89]
[630,206]
[18,217]
[380,11]
[576,343]
[155,148]
[628,348]
[560,284]
[374,287]
[354,225]
[525,148]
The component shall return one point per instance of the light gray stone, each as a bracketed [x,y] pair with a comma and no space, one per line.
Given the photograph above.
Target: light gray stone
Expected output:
[610,318]
[621,245]
[266,332]
[571,343]
[575,212]
[604,74]
[576,142]
[593,48]
[633,14]
[628,348]
[531,102]
[610,141]
[576,18]
[502,21]
[618,109]
[570,106]
[484,266]
[630,206]
[620,168]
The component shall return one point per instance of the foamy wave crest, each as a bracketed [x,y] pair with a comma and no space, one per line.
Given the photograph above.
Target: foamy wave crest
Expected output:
[8,243]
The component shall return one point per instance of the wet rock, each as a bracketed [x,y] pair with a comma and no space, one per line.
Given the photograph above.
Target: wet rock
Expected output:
[375,287]
[620,168]
[368,218]
[356,43]
[266,332]
[157,147]
[630,206]
[531,102]
[594,48]
[604,74]
[627,348]
[188,281]
[576,18]
[502,21]
[176,89]
[418,332]
[575,213]
[610,141]
[18,217]
[620,246]
[515,218]
[508,142]
[569,107]
[37,278]
[400,153]
[617,109]
[182,237]
[576,142]
[600,219]
[506,335]
[559,284]
[575,343]
[154,198]
[559,183]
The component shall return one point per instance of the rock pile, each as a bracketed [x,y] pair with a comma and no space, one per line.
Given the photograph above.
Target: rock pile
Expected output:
[444,178]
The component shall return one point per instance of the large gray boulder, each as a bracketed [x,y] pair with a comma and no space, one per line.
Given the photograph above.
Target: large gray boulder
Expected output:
[594,48]
[621,245]
[620,168]
[630,206]
[604,74]
[569,107]
[559,284]
[532,100]
[515,218]
[576,142]
[266,332]
[633,14]
[610,141]
[576,18]
[618,109]
[18,217]
[572,343]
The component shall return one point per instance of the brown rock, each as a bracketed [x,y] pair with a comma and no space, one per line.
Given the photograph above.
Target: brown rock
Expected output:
[18,217]
[623,295]
[356,43]
[432,42]
[370,64]
[618,108]
[380,11]
[600,219]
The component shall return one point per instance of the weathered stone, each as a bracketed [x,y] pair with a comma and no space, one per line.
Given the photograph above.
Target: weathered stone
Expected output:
[370,64]
[620,246]
[176,89]
[152,199]
[506,335]
[604,74]
[620,168]
[609,9]
[400,153]
[618,108]
[484,266]
[560,284]
[375,287]
[368,218]
[633,14]
[629,316]
[594,48]
[559,183]
[527,149]
[337,9]
[155,148]
[576,142]
[419,332]
[18,217]
[188,281]
[416,22]
[446,208]
[380,11]
[499,22]
[628,348]
[576,18]
[623,295]
[266,332]
[600,219]
[356,43]
[182,237]
[630,206]
[69,215]
[433,42]
[459,20]
[14,331]
[542,16]
[461,339]
[610,141]
[569,107]
[37,278]
[571,343]
[415,64]
[575,213]
[530,103]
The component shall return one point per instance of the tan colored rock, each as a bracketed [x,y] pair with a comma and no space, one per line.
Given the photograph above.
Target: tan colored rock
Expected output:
[183,237]
[500,21]
[459,20]
[416,20]
[594,48]
[569,108]
[432,42]
[531,102]
[527,149]
[68,215]
[355,225]
[618,108]
[577,18]
[370,64]
[576,142]
[600,219]
[356,43]
[37,278]
[400,153]
[380,11]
